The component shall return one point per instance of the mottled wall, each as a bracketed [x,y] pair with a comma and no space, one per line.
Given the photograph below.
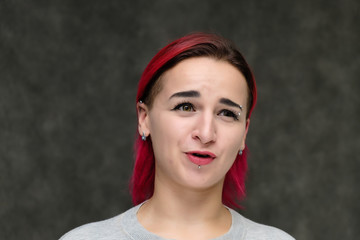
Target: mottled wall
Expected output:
[68,76]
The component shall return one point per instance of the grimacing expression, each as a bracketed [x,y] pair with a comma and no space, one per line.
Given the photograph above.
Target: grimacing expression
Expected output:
[197,118]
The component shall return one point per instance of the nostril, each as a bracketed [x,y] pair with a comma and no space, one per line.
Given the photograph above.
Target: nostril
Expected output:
[205,130]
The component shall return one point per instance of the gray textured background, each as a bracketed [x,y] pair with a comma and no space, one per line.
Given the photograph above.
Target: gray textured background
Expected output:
[68,76]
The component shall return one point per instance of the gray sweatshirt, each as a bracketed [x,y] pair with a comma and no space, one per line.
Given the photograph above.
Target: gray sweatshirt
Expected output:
[126,227]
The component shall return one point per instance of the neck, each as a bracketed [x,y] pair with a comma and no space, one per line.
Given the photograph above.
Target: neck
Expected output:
[175,208]
[177,202]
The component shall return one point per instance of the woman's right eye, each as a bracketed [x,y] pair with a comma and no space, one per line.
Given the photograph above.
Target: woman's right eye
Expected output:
[185,107]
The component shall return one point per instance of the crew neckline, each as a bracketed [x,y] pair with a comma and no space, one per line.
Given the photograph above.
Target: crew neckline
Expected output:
[137,231]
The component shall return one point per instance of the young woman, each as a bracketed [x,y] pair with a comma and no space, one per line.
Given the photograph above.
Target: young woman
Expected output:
[194,103]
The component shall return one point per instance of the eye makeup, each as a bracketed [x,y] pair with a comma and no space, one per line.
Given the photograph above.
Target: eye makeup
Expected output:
[230,114]
[184,106]
[187,106]
[226,114]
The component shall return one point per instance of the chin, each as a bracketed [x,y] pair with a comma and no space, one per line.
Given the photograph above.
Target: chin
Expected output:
[203,183]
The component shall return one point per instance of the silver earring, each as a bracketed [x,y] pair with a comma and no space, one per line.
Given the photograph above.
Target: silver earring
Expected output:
[199,167]
[143,137]
[240,152]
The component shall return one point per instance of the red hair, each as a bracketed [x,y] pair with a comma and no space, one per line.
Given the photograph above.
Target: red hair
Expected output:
[193,45]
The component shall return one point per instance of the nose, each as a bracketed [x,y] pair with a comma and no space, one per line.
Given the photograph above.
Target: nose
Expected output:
[205,129]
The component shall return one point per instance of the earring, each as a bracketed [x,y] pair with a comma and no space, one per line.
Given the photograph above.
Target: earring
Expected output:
[143,137]
[240,152]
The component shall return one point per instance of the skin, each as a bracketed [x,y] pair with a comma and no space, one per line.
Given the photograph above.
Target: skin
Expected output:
[187,200]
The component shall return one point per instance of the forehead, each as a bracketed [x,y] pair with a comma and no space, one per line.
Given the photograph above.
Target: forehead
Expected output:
[207,75]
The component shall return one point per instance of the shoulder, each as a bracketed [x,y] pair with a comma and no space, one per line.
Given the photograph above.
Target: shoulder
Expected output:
[97,230]
[259,231]
[111,228]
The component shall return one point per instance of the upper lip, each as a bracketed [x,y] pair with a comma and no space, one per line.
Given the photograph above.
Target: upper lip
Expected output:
[204,153]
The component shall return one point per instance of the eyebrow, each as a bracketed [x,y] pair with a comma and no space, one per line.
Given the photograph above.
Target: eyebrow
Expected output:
[186,94]
[193,93]
[230,103]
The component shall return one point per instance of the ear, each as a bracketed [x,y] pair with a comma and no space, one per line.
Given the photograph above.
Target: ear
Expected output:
[245,134]
[143,119]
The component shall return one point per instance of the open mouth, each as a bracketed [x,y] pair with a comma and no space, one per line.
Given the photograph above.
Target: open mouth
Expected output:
[201,157]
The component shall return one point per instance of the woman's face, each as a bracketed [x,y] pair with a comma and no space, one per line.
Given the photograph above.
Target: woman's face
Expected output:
[197,119]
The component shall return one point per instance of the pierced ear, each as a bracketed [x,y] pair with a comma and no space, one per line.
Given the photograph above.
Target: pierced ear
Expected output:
[143,118]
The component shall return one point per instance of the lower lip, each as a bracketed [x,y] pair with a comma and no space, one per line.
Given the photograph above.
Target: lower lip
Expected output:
[199,160]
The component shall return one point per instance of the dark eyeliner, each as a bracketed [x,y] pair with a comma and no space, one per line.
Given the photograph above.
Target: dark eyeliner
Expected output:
[178,106]
[234,115]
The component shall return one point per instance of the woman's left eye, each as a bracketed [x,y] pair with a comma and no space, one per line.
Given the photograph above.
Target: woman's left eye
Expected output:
[229,114]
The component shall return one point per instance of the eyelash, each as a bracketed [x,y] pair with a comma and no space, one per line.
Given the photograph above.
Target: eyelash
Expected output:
[234,115]
[181,105]
[225,112]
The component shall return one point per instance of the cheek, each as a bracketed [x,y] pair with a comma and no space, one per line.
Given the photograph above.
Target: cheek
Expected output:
[233,140]
[234,148]
[166,133]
